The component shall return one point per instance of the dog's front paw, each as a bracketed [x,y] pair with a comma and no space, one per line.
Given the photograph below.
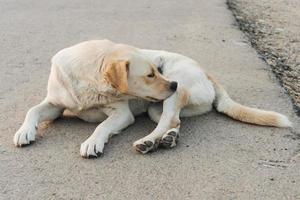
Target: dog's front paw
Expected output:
[91,148]
[24,136]
[145,145]
[170,138]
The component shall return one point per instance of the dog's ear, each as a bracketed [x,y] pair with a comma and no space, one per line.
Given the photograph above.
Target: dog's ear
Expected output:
[116,73]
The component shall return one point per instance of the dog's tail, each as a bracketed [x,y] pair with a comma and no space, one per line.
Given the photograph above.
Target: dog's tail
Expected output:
[224,104]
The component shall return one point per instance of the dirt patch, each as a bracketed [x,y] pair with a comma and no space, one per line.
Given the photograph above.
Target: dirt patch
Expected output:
[273,28]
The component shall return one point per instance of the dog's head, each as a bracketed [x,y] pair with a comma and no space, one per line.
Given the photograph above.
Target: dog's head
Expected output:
[131,73]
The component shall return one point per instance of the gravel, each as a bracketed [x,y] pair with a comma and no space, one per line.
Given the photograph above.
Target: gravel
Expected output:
[273,28]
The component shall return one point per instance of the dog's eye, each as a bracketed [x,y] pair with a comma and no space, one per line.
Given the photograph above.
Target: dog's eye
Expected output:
[151,75]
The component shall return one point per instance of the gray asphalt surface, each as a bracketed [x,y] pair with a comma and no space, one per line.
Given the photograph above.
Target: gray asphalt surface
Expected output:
[217,158]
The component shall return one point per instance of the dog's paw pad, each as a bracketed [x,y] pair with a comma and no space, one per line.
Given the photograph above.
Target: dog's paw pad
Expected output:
[145,146]
[25,145]
[169,139]
[148,143]
[141,148]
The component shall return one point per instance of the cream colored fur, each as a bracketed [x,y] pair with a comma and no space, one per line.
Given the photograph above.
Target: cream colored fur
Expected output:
[100,81]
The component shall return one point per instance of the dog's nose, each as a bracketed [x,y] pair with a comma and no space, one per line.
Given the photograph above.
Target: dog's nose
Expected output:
[173,86]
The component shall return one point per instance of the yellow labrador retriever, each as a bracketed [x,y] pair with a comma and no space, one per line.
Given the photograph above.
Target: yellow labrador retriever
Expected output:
[101,81]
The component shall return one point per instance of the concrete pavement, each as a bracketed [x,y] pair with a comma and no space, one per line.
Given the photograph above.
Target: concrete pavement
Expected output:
[217,158]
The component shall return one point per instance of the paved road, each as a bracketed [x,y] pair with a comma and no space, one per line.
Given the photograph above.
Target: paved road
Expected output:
[217,158]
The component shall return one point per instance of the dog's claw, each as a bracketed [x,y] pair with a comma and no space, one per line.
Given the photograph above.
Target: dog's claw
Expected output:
[24,136]
[91,148]
[92,156]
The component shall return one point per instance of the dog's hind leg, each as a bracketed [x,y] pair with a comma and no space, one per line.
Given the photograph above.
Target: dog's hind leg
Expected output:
[45,111]
[167,129]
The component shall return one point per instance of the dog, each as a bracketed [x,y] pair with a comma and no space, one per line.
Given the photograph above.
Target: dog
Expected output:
[102,81]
